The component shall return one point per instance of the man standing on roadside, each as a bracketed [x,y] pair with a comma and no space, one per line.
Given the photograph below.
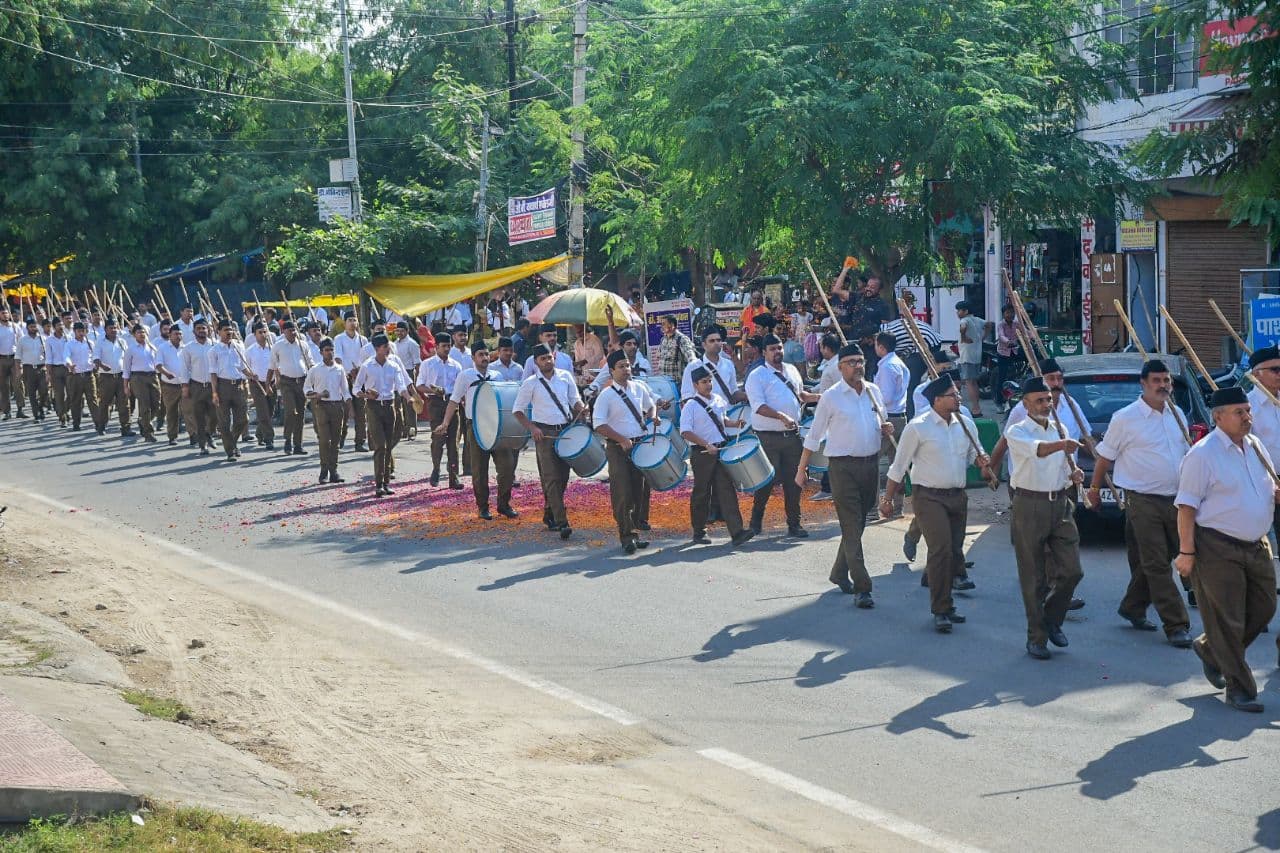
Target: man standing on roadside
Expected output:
[973,330]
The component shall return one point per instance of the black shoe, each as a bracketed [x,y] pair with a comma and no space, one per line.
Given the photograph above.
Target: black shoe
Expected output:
[434,480]
[455,483]
[379,493]
[360,448]
[1039,651]
[700,537]
[1056,636]
[324,476]
[1076,604]
[508,512]
[149,439]
[1139,622]
[334,478]
[864,600]
[237,453]
[6,417]
[389,476]
[298,451]
[566,532]
[231,457]
[640,543]
[386,488]
[269,446]
[957,618]
[743,536]
[173,442]
[127,433]
[942,623]
[797,532]
[204,451]
[1180,639]
[909,547]
[485,514]
[643,525]
[962,584]
[1241,702]
[22,415]
[1211,673]
[288,450]
[968,564]
[843,583]
[629,547]
[98,431]
[755,529]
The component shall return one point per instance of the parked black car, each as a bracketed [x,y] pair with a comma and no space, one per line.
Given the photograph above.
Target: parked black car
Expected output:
[1103,384]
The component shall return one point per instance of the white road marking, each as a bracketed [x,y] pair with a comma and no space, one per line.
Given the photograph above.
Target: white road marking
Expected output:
[823,796]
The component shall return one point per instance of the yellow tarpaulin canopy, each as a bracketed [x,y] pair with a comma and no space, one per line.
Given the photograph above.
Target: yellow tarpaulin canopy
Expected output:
[343,301]
[413,295]
[26,291]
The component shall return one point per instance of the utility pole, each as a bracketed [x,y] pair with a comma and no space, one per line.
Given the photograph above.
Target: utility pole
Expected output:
[137,144]
[481,212]
[577,167]
[357,204]
[511,56]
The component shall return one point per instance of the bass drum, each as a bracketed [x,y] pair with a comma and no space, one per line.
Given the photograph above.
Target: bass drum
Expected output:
[817,459]
[665,389]
[582,449]
[493,425]
[750,469]
[738,412]
[659,462]
[671,433]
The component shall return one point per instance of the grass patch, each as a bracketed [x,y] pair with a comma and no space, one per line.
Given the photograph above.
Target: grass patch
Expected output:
[155,706]
[167,828]
[37,652]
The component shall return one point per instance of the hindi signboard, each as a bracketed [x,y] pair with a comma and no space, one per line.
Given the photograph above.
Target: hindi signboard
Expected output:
[333,203]
[1264,322]
[1137,235]
[681,309]
[531,218]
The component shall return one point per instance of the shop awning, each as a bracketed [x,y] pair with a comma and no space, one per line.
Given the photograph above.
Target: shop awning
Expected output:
[1205,113]
[418,294]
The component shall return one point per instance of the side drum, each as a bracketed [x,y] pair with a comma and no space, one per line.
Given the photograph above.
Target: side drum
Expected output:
[738,412]
[666,390]
[818,458]
[493,425]
[659,462]
[747,464]
[671,433]
[582,449]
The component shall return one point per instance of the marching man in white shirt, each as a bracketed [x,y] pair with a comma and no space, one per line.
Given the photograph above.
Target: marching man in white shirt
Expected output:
[30,350]
[141,364]
[1226,502]
[289,362]
[81,389]
[937,451]
[1046,542]
[381,381]
[169,353]
[258,355]
[504,459]
[55,365]
[436,379]
[702,422]
[1145,444]
[108,360]
[848,420]
[1264,364]
[556,403]
[348,348]
[326,388]
[227,369]
[621,414]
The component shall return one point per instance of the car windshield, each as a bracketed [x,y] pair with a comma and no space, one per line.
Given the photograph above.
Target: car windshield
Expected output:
[1100,397]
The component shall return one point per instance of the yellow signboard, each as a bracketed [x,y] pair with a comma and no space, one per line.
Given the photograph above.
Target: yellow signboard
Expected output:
[1137,235]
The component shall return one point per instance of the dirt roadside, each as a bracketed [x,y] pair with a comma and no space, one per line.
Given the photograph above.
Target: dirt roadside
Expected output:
[411,749]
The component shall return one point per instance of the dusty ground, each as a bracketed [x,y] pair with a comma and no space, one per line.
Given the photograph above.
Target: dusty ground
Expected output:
[411,749]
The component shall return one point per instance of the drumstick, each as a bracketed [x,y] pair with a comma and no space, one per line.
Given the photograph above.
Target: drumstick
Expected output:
[1133,336]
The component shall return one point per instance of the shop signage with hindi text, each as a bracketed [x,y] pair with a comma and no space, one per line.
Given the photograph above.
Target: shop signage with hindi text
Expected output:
[681,309]
[1137,235]
[531,218]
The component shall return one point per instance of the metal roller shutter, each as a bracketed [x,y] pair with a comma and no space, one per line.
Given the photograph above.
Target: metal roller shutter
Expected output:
[1204,262]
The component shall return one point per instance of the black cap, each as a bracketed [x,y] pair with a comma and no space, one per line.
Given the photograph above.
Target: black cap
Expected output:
[325,343]
[459,330]
[138,328]
[714,330]
[443,338]
[765,321]
[479,346]
[937,387]
[541,350]
[1050,365]
[1033,385]
[1261,355]
[615,357]
[78,327]
[348,315]
[628,335]
[258,327]
[699,373]
[770,340]
[1232,396]
[199,320]
[379,341]
[273,329]
[224,324]
[547,327]
[848,350]
[402,325]
[287,324]
[505,342]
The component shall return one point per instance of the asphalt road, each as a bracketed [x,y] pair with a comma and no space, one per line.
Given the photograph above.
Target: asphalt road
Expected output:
[1116,742]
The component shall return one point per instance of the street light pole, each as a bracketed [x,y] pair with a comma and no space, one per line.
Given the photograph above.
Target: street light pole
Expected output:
[357,203]
[577,167]
[481,192]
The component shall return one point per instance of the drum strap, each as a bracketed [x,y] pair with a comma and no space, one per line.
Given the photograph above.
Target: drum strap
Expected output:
[719,379]
[478,381]
[555,399]
[793,391]
[635,413]
[715,420]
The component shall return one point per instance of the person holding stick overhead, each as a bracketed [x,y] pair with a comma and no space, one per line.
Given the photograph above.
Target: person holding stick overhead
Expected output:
[1046,542]
[1227,494]
[849,418]
[1145,444]
[937,448]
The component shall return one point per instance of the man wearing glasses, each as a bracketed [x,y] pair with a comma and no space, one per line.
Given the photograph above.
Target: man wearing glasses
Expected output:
[1265,366]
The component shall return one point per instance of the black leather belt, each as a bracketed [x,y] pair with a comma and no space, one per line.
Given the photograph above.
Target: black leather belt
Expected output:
[382,402]
[143,373]
[950,491]
[874,457]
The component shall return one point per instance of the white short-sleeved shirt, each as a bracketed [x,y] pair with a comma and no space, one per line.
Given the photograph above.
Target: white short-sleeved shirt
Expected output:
[1146,447]
[1032,471]
[974,328]
[1266,421]
[937,453]
[694,417]
[468,379]
[847,419]
[545,411]
[1228,486]
[893,379]
[439,373]
[612,410]
[723,368]
[563,362]
[777,388]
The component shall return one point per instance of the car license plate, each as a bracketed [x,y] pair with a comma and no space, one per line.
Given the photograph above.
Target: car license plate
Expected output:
[1108,496]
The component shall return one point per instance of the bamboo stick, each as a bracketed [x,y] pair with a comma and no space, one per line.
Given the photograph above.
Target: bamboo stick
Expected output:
[1133,336]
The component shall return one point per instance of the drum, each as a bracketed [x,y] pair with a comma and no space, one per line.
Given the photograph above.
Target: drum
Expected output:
[818,458]
[660,463]
[492,423]
[739,412]
[582,449]
[665,389]
[671,433]
[750,469]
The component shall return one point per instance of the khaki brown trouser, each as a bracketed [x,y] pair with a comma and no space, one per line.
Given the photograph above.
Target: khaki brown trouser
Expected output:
[355,409]
[887,452]
[111,392]
[327,417]
[408,418]
[233,412]
[629,491]
[10,382]
[712,482]
[146,393]
[1235,585]
[783,450]
[553,474]
[201,412]
[384,434]
[172,405]
[37,387]
[58,374]
[854,482]
[264,410]
[81,390]
[1151,529]
[504,464]
[942,514]
[436,406]
[1046,544]
[293,402]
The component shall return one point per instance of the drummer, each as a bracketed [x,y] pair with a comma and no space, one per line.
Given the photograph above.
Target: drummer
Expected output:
[703,420]
[724,373]
[622,413]
[504,460]
[556,403]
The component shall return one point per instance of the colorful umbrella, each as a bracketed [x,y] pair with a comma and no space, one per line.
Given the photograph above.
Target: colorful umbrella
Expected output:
[584,305]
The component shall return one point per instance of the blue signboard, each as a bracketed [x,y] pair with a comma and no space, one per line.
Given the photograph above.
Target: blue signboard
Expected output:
[1264,322]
